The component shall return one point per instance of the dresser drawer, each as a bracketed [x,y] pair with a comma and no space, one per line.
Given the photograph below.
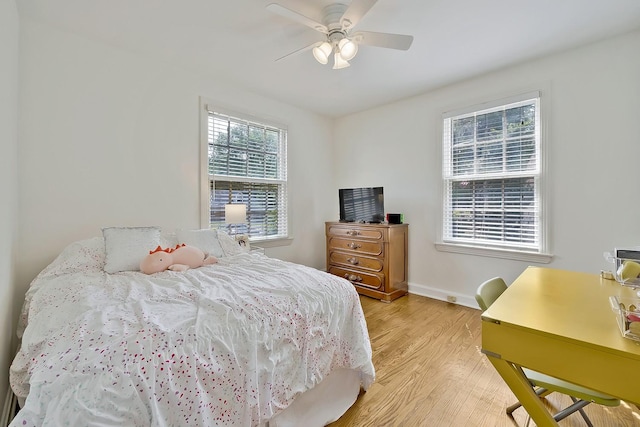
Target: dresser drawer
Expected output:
[354,260]
[356,232]
[375,248]
[359,278]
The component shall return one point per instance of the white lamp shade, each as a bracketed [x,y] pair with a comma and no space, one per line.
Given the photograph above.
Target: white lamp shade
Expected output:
[348,49]
[339,63]
[322,52]
[235,213]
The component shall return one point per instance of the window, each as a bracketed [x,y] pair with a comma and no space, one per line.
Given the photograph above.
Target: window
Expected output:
[247,164]
[492,176]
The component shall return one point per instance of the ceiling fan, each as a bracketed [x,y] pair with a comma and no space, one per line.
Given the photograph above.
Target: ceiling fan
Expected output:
[337,25]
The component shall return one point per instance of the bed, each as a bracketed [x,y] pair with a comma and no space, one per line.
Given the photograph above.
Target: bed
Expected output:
[248,341]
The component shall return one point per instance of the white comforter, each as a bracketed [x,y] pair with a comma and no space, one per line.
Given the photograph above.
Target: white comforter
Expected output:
[230,344]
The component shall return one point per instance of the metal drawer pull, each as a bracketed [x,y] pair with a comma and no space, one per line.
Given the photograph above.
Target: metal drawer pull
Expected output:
[353,232]
[354,245]
[352,277]
[353,260]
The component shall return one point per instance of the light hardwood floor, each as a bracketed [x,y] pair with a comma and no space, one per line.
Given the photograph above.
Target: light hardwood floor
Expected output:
[430,372]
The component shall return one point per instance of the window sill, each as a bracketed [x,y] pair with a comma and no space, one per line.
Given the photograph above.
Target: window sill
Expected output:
[494,252]
[271,243]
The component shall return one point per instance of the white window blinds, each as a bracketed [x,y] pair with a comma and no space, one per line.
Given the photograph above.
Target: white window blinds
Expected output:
[248,165]
[491,176]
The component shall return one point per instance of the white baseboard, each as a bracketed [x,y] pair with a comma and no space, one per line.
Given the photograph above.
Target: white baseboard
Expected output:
[442,295]
[8,408]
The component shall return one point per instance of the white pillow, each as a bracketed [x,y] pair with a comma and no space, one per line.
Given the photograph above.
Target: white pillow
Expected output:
[230,245]
[168,240]
[206,240]
[125,247]
[243,241]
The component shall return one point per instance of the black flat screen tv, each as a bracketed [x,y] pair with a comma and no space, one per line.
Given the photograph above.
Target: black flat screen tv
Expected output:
[362,204]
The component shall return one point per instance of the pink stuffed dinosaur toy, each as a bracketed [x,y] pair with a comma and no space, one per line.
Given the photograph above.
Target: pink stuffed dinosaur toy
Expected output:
[180,258]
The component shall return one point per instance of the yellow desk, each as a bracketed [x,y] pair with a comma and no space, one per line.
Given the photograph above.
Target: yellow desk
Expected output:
[560,323]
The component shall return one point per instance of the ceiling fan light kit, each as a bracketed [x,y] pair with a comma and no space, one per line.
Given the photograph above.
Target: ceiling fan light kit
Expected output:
[344,51]
[348,49]
[322,52]
[339,62]
[338,20]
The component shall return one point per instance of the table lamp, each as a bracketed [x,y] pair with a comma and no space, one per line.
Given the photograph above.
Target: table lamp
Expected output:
[234,214]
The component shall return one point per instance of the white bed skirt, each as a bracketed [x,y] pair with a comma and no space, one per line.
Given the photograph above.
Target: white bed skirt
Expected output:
[323,404]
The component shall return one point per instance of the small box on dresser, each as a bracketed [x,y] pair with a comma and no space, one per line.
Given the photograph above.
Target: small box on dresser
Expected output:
[374,257]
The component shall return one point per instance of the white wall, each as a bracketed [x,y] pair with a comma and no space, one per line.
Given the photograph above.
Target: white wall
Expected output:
[110,138]
[9,30]
[593,155]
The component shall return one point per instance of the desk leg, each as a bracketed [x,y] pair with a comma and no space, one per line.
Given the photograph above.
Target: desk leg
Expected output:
[523,391]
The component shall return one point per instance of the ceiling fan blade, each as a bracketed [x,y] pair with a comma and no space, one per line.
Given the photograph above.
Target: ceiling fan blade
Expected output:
[295,52]
[354,13]
[296,16]
[390,41]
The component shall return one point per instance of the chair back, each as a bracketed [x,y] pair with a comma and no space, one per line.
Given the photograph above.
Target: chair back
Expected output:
[489,291]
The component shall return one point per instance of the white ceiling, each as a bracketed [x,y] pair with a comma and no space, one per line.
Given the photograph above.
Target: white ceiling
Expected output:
[239,40]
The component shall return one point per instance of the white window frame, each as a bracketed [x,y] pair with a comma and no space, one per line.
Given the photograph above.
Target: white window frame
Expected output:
[207,180]
[445,242]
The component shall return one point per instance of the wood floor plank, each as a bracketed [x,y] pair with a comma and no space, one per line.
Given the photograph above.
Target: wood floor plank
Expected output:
[430,372]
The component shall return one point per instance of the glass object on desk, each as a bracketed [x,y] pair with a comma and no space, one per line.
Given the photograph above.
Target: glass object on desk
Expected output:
[628,315]
[626,267]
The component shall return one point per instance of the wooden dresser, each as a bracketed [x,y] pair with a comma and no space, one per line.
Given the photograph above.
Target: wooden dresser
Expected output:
[371,256]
